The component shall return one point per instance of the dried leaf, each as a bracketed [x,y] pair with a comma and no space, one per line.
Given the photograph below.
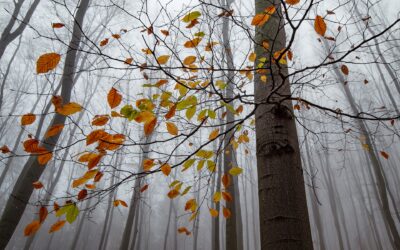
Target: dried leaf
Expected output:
[54,130]
[32,228]
[320,25]
[28,119]
[57,226]
[47,62]
[114,98]
[166,169]
[69,109]
[172,128]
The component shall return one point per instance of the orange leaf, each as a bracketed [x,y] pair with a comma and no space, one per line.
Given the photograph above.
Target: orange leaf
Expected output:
[57,100]
[261,18]
[55,129]
[82,194]
[166,169]
[149,126]
[227,196]
[57,25]
[44,158]
[32,228]
[47,62]
[226,180]
[213,212]
[31,145]
[148,164]
[173,193]
[90,186]
[182,230]
[189,60]
[104,42]
[116,36]
[100,120]
[163,59]
[94,161]
[344,69]
[320,25]
[95,135]
[69,109]
[98,177]
[171,112]
[57,226]
[226,212]
[214,134]
[28,119]
[172,128]
[128,60]
[192,43]
[114,98]
[292,2]
[144,188]
[384,154]
[37,185]
[165,32]
[43,214]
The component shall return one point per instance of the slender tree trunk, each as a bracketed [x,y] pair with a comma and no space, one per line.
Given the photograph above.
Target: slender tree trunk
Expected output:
[32,170]
[284,222]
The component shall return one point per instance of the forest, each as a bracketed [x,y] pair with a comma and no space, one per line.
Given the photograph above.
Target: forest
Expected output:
[199,124]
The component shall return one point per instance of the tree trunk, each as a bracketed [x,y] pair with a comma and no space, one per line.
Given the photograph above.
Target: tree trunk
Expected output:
[32,170]
[284,222]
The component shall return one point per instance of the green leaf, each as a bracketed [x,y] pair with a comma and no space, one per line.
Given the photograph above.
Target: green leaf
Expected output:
[190,112]
[72,214]
[190,101]
[200,165]
[212,114]
[129,112]
[205,154]
[229,107]
[187,164]
[200,34]
[63,210]
[191,16]
[186,190]
[174,183]
[211,165]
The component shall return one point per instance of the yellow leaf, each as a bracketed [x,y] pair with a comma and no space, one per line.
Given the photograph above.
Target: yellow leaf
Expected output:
[32,228]
[214,134]
[252,57]
[213,212]
[163,59]
[114,98]
[57,226]
[191,16]
[320,25]
[47,62]
[217,197]
[69,109]
[235,171]
[192,43]
[28,119]
[189,60]
[55,129]
[172,128]
[191,205]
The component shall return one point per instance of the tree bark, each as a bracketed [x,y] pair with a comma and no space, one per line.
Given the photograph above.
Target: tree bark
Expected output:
[284,222]
[32,170]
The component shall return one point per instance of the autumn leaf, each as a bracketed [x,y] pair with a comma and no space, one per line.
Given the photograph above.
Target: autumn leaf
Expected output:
[32,228]
[320,25]
[213,212]
[226,212]
[69,109]
[44,158]
[235,171]
[217,197]
[165,32]
[214,134]
[166,169]
[100,120]
[47,62]
[189,60]
[4,149]
[252,57]
[28,119]
[172,128]
[171,112]
[57,25]
[104,42]
[54,130]
[43,212]
[31,146]
[95,135]
[384,154]
[226,180]
[344,69]
[57,226]
[261,18]
[173,193]
[191,16]
[149,126]
[128,60]
[116,36]
[184,230]
[144,188]
[227,196]
[37,185]
[163,59]
[114,98]
[192,43]
[148,164]
[191,205]
[292,2]
[120,202]
[82,194]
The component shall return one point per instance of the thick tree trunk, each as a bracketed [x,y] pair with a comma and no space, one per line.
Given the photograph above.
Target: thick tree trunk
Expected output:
[32,170]
[284,221]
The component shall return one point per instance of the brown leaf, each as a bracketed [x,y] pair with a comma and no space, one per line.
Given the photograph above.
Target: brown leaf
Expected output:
[144,188]
[82,194]
[149,126]
[32,228]
[226,212]
[54,130]
[43,214]
[57,25]
[100,120]
[384,155]
[166,169]
[28,119]
[226,180]
[320,25]
[4,149]
[37,185]
[104,42]
[57,226]
[114,98]
[344,69]
[47,62]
